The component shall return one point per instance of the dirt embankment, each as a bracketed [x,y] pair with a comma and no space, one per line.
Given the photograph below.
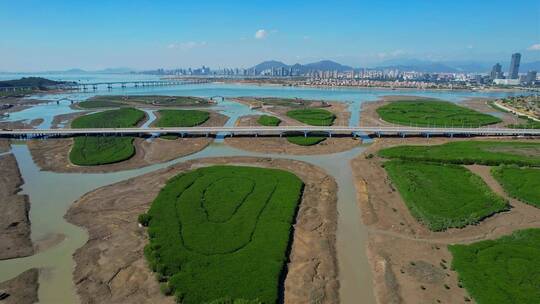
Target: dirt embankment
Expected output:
[18,103]
[340,109]
[22,289]
[4,145]
[53,154]
[21,124]
[15,239]
[110,267]
[411,263]
[481,105]
[283,146]
[66,119]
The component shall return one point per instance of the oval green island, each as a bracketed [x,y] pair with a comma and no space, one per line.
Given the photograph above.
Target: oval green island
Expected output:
[223,233]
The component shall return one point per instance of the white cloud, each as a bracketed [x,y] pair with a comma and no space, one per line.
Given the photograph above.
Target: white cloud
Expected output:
[261,34]
[185,46]
[534,47]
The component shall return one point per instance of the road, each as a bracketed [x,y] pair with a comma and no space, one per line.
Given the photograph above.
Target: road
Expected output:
[255,131]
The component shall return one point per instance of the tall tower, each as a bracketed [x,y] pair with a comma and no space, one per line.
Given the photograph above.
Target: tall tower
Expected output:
[496,71]
[514,66]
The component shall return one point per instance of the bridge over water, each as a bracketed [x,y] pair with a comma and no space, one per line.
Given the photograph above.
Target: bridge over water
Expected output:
[273,131]
[111,84]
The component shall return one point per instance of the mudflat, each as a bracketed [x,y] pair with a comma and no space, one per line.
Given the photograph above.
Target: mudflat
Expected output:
[23,289]
[53,154]
[481,105]
[110,267]
[4,145]
[408,260]
[15,239]
[283,146]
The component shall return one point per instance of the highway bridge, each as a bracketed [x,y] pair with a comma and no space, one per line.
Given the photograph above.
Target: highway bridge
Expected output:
[272,131]
[84,86]
[124,84]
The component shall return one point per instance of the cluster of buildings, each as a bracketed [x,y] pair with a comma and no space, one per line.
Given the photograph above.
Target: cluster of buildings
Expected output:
[383,77]
[513,78]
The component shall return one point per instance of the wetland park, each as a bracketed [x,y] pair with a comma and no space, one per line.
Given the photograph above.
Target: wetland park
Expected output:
[299,217]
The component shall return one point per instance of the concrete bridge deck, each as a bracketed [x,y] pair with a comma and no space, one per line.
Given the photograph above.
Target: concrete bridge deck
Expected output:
[269,131]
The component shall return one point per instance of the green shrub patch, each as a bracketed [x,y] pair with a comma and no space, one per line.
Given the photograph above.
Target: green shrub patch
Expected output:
[181,118]
[520,183]
[314,117]
[443,196]
[470,152]
[267,120]
[100,150]
[222,233]
[506,270]
[433,113]
[99,103]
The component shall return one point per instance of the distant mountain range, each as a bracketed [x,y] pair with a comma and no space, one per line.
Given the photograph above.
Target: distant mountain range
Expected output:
[324,65]
[417,65]
[401,64]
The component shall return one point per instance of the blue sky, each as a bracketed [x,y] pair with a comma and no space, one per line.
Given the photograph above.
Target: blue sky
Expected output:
[143,34]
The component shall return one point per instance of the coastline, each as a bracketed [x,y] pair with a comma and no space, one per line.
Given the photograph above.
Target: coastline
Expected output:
[284,84]
[15,241]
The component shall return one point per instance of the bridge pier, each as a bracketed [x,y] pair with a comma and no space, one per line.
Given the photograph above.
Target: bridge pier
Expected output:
[305,134]
[330,134]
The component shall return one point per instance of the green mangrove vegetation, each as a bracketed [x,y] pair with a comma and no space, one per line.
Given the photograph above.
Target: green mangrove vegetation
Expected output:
[107,101]
[100,150]
[470,152]
[289,102]
[100,103]
[267,120]
[222,233]
[433,113]
[443,196]
[181,118]
[314,117]
[506,270]
[300,139]
[520,183]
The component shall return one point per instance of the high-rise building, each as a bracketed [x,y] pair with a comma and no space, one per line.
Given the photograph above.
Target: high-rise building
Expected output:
[531,77]
[496,71]
[514,66]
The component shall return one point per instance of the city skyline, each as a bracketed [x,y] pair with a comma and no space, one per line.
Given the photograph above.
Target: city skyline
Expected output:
[61,35]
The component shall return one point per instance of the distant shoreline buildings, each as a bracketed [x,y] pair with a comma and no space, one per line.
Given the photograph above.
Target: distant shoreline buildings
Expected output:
[339,75]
